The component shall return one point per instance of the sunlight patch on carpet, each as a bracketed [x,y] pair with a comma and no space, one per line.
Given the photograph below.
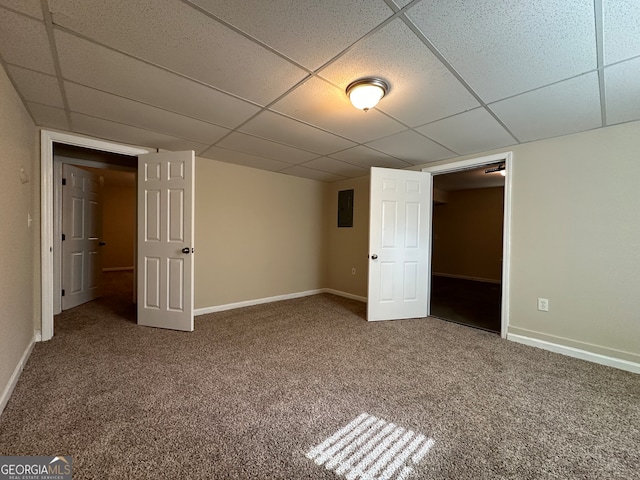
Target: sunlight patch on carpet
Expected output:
[371,448]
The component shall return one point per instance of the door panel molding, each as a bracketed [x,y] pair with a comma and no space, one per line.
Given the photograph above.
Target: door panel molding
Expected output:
[82,227]
[399,244]
[166,186]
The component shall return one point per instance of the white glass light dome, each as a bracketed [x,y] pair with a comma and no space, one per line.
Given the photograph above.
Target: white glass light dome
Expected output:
[367,92]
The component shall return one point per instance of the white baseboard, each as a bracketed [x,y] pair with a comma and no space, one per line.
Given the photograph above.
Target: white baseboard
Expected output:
[259,301]
[13,380]
[577,353]
[117,269]
[345,294]
[465,277]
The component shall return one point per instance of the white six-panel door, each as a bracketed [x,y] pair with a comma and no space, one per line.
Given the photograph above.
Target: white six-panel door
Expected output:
[399,244]
[82,231]
[165,240]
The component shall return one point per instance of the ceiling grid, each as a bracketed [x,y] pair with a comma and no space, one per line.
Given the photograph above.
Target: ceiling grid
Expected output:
[262,84]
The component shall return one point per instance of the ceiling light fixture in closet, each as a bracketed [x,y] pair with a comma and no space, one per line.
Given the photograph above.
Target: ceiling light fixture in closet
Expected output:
[500,168]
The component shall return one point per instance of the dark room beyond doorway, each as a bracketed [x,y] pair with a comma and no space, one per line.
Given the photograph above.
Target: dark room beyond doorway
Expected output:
[466,262]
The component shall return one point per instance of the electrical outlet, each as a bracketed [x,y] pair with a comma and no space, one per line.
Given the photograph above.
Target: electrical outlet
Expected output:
[543,304]
[353,271]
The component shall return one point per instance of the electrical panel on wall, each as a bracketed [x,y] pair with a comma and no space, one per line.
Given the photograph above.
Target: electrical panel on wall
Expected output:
[345,208]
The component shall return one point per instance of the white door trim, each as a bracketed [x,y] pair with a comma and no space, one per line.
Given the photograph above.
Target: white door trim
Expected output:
[47,139]
[507,158]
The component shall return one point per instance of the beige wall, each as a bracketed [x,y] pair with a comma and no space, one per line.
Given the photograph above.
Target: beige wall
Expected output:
[467,234]
[119,220]
[576,240]
[17,286]
[347,248]
[258,234]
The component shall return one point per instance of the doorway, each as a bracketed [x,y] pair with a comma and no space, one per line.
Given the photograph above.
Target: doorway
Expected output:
[49,243]
[466,255]
[504,160]
[115,214]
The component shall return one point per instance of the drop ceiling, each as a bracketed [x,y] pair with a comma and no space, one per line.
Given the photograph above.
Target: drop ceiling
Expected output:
[261,83]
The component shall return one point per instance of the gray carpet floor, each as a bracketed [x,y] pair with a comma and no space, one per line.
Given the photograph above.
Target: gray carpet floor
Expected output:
[257,392]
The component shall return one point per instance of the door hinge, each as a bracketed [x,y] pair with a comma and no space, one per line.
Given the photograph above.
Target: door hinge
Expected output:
[64,181]
[64,237]
[63,292]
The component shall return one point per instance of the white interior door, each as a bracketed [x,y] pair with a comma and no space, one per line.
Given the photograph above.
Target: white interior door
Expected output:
[399,244]
[165,240]
[81,234]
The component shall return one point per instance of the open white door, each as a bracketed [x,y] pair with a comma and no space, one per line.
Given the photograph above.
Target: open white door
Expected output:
[399,244]
[81,233]
[165,240]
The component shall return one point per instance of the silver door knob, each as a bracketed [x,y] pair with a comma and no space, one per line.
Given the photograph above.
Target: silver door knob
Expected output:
[374,257]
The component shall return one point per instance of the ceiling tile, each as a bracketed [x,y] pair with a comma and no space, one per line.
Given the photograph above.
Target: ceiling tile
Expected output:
[309,32]
[99,104]
[336,167]
[99,67]
[241,142]
[322,104]
[622,84]
[421,88]
[285,130]
[300,171]
[37,87]
[24,42]
[621,29]
[505,48]
[46,116]
[239,158]
[172,34]
[412,148]
[481,132]
[178,74]
[118,132]
[28,7]
[566,107]
[366,157]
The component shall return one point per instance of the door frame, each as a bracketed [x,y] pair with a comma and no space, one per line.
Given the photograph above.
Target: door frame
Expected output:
[507,158]
[47,211]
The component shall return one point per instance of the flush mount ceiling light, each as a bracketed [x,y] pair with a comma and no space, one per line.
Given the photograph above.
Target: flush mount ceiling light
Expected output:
[366,92]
